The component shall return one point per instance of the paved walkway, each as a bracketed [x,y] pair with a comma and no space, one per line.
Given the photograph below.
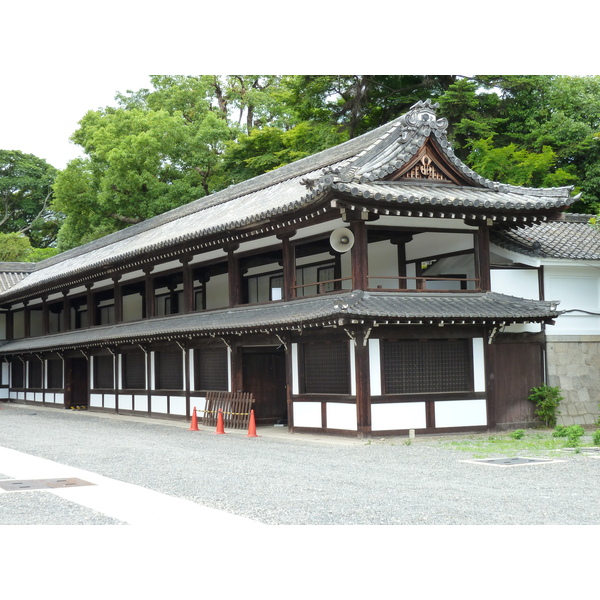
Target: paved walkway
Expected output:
[130,504]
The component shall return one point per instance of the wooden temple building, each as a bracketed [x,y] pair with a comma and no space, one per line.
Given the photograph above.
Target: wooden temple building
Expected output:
[350,292]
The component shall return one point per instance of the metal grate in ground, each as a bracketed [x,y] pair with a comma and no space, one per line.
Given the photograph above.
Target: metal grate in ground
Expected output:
[516,461]
[26,485]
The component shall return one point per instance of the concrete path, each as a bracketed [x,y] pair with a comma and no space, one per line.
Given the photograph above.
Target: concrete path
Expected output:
[128,503]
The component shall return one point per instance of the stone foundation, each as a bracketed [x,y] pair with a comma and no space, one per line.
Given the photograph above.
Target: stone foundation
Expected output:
[573,364]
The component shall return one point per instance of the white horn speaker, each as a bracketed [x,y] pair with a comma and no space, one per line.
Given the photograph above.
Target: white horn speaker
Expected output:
[341,239]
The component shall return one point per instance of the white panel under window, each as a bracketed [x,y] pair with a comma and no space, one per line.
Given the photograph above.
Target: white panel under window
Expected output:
[307,414]
[141,403]
[478,365]
[110,401]
[126,402]
[352,369]
[59,398]
[159,404]
[405,415]
[375,367]
[178,405]
[341,416]
[96,400]
[460,413]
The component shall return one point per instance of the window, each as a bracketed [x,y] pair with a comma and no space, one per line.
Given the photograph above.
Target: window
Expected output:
[134,301]
[18,324]
[35,373]
[211,369]
[134,371]
[325,368]
[18,374]
[36,321]
[168,370]
[105,307]
[427,366]
[104,373]
[276,287]
[168,295]
[78,313]
[55,316]
[55,373]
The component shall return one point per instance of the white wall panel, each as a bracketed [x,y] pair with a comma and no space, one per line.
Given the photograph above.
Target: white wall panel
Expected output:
[478,364]
[307,414]
[110,401]
[460,413]
[96,400]
[125,402]
[406,415]
[341,416]
[178,405]
[159,404]
[375,367]
[141,402]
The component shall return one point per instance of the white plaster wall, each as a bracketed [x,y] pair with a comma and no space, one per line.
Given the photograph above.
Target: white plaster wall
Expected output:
[307,414]
[50,399]
[4,393]
[341,416]
[460,413]
[141,402]
[159,404]
[295,388]
[383,260]
[406,415]
[59,398]
[431,243]
[178,405]
[96,400]
[132,307]
[375,367]
[5,373]
[110,401]
[478,365]
[576,288]
[125,402]
[522,283]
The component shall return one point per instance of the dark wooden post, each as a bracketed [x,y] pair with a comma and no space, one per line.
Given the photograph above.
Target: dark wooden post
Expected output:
[66,323]
[363,387]
[45,316]
[234,277]
[359,256]
[26,320]
[149,293]
[118,296]
[482,257]
[91,309]
[289,268]
[188,286]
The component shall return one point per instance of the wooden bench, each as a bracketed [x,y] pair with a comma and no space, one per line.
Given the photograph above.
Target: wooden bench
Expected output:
[236,407]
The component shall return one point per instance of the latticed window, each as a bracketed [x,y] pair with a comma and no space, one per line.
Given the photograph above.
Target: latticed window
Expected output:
[421,366]
[104,377]
[168,370]
[134,371]
[35,373]
[17,375]
[325,368]
[210,369]
[55,373]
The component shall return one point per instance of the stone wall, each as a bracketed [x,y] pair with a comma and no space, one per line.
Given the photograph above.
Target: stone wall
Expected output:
[573,364]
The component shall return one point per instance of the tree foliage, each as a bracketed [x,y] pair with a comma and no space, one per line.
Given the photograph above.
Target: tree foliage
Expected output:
[189,136]
[25,196]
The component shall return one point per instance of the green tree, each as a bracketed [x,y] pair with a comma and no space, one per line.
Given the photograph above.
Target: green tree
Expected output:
[25,196]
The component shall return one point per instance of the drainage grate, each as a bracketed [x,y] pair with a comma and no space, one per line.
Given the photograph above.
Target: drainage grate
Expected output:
[25,485]
[516,461]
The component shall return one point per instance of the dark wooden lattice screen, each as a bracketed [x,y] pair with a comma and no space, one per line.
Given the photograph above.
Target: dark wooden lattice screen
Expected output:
[414,366]
[326,368]
[168,369]
[35,373]
[211,371]
[134,371]
[55,373]
[17,374]
[104,372]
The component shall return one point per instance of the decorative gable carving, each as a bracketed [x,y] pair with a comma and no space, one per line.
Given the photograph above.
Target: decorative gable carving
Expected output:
[429,165]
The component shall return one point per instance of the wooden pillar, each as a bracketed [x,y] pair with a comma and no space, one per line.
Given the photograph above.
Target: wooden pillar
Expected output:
[482,257]
[363,387]
[91,309]
[234,277]
[118,299]
[45,316]
[66,321]
[289,268]
[149,295]
[26,320]
[359,256]
[188,286]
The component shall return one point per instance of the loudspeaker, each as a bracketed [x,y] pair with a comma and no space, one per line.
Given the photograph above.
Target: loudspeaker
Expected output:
[341,239]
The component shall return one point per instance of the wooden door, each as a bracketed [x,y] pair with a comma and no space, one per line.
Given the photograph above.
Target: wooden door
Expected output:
[263,373]
[515,368]
[76,382]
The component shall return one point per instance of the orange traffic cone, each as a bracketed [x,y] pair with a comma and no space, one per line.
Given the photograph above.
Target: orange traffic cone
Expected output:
[194,425]
[220,426]
[252,426]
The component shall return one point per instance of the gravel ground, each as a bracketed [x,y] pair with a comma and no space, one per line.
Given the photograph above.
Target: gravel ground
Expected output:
[295,479]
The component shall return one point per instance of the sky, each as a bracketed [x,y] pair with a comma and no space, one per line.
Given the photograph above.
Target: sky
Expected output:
[63,58]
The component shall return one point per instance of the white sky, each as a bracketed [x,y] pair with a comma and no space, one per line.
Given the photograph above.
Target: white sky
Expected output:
[65,57]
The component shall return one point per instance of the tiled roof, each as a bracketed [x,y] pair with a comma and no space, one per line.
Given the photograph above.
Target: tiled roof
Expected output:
[381,307]
[570,238]
[351,168]
[11,273]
